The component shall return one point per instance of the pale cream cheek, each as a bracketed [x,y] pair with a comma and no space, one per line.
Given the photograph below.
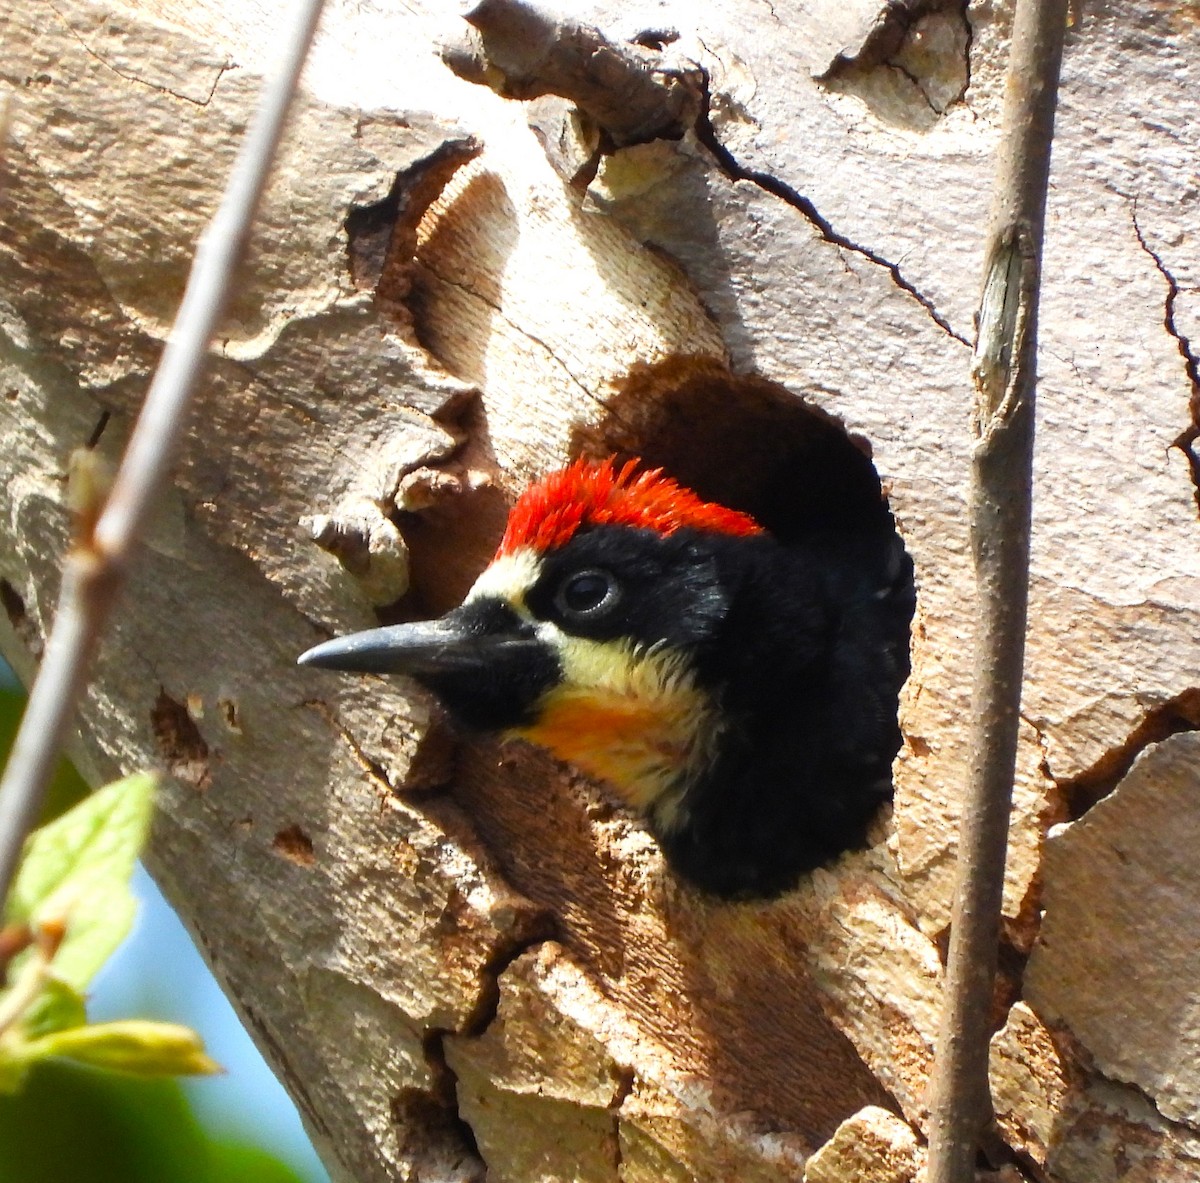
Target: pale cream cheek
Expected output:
[509,578]
[618,668]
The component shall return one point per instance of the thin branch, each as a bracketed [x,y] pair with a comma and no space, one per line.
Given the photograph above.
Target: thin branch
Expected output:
[6,112]
[1004,375]
[95,568]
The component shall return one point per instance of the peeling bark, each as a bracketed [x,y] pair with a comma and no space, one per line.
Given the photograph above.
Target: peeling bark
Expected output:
[457,954]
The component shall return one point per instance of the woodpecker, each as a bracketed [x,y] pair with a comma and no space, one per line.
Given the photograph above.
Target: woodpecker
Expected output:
[736,689]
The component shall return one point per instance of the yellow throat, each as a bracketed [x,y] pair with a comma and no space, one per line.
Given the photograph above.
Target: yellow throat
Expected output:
[634,718]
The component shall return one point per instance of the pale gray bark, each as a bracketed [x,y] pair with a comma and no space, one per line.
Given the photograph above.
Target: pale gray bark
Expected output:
[505,949]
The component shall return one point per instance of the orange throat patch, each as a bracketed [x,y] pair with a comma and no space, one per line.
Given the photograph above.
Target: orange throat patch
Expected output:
[645,747]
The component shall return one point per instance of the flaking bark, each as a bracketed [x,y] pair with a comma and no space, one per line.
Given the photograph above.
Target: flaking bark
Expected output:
[465,955]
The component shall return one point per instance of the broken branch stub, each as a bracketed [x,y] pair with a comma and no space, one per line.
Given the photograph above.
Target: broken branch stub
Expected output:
[631,93]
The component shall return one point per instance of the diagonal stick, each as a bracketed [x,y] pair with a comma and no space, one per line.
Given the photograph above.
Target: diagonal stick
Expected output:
[95,568]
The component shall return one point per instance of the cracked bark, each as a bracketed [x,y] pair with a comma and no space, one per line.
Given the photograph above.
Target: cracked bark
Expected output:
[780,189]
[1090,787]
[1186,439]
[465,955]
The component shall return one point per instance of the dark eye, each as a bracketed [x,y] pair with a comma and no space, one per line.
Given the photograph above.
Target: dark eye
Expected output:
[587,594]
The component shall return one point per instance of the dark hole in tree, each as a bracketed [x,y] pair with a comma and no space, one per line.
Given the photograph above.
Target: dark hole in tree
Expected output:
[180,742]
[14,605]
[745,443]
[752,445]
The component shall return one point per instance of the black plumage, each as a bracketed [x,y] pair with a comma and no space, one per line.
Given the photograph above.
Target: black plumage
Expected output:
[797,649]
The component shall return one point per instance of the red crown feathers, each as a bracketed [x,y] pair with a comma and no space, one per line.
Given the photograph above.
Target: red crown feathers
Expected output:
[598,493]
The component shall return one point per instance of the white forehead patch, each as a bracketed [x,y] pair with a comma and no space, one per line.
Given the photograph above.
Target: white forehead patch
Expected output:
[508,578]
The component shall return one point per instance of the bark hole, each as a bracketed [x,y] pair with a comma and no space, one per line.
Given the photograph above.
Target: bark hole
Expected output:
[912,64]
[746,443]
[294,845]
[231,714]
[180,742]
[14,606]
[22,623]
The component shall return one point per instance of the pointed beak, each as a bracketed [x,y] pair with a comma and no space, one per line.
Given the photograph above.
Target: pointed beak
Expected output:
[487,665]
[428,648]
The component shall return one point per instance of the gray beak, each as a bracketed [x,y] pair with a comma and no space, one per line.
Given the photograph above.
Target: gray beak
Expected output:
[488,666]
[425,649]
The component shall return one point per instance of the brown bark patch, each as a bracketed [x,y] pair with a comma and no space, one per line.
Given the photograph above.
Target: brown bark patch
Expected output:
[180,742]
[293,844]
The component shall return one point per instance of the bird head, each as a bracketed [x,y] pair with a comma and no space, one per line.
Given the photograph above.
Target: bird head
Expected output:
[737,688]
[587,634]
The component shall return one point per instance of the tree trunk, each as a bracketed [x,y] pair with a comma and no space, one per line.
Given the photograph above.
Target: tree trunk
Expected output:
[463,956]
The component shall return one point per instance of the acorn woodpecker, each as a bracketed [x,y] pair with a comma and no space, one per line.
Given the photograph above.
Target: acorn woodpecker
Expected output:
[737,691]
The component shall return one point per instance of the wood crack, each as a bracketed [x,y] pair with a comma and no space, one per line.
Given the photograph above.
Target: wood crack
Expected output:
[625,1083]
[372,768]
[1186,440]
[469,291]
[435,1130]
[222,69]
[1180,714]
[728,163]
[445,1079]
[434,1135]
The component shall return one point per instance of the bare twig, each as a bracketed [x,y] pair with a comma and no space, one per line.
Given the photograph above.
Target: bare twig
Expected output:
[95,569]
[1004,374]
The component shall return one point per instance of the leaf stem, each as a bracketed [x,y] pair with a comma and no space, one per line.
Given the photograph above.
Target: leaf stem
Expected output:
[28,985]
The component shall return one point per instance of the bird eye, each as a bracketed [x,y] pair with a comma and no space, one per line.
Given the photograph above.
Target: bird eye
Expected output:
[587,593]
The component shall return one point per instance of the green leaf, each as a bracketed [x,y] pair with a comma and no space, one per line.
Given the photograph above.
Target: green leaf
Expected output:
[139,1046]
[76,871]
[57,1007]
[13,1066]
[71,1124]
